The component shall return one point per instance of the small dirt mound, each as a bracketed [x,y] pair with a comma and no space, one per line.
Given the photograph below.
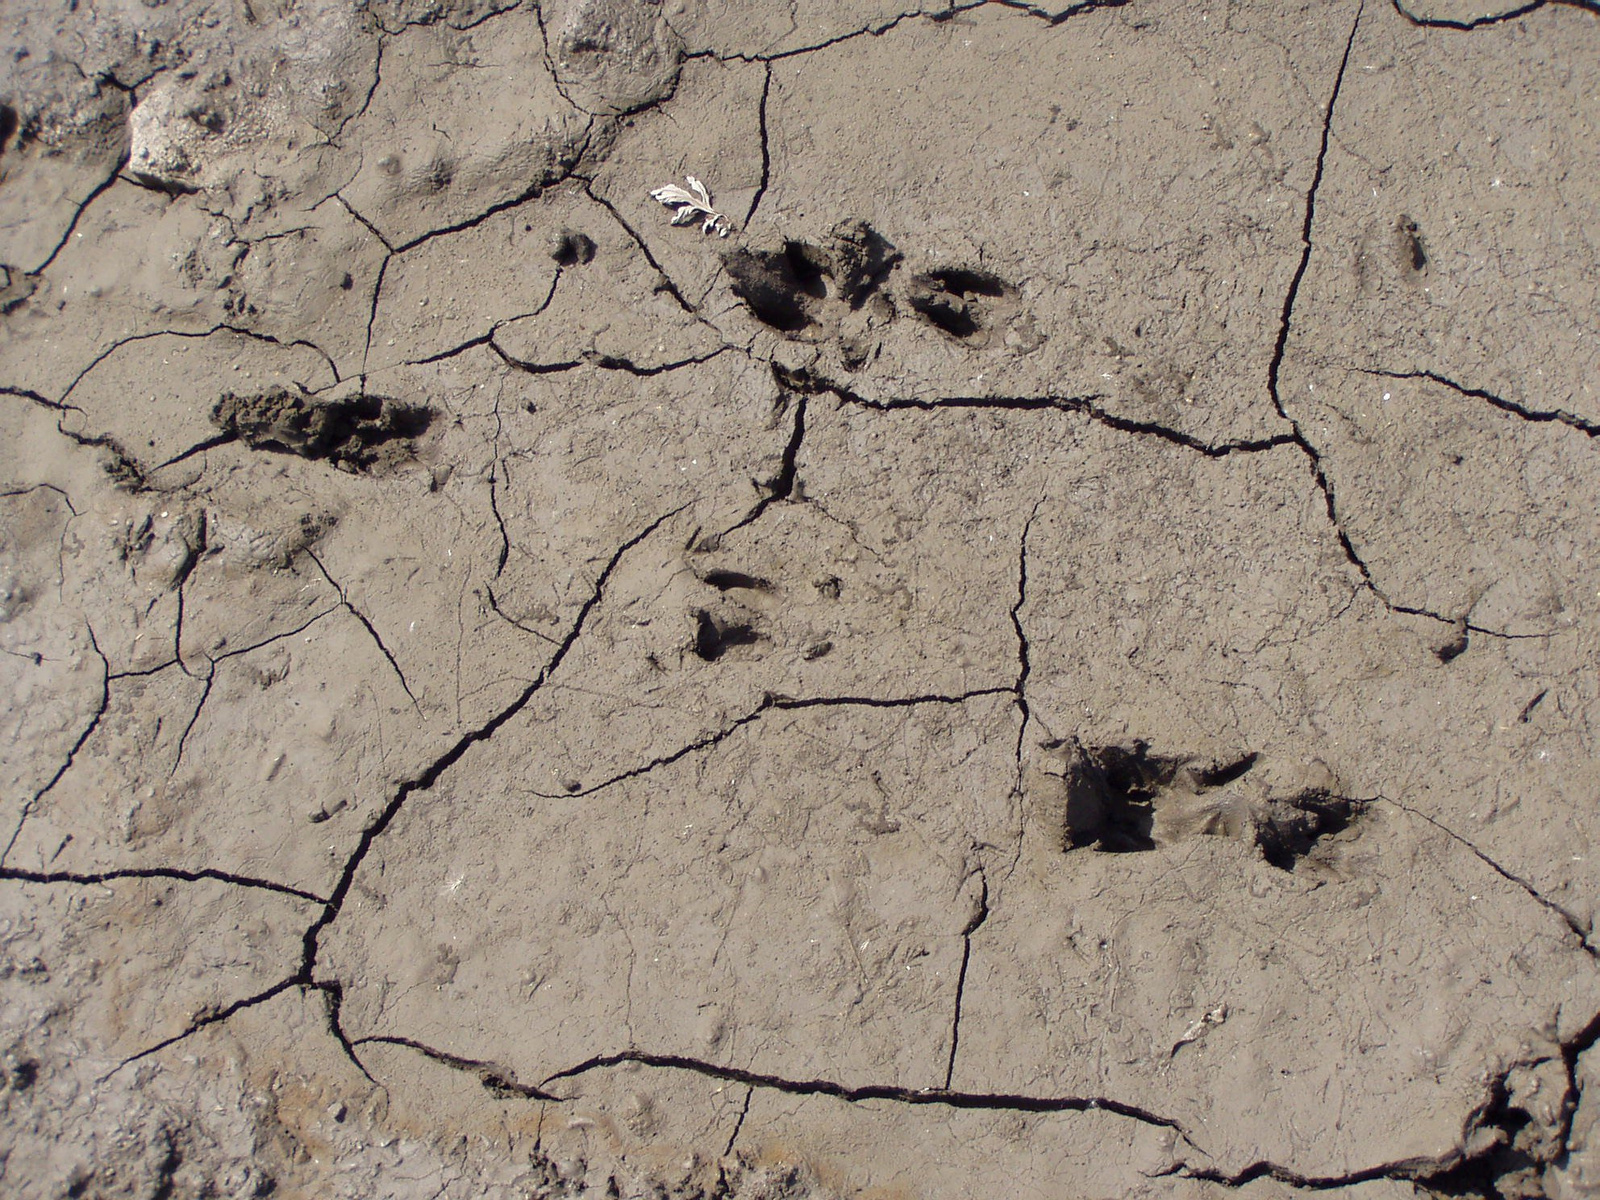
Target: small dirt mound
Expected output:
[360,433]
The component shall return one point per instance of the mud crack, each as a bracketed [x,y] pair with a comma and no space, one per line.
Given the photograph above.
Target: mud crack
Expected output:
[533,191]
[1492,18]
[772,703]
[355,215]
[372,631]
[366,101]
[1579,930]
[1058,16]
[496,1079]
[372,313]
[1024,649]
[941,1097]
[1088,406]
[766,147]
[603,362]
[431,775]
[88,731]
[204,874]
[1280,350]
[204,1021]
[1051,17]
[487,339]
[1537,415]
[667,283]
[980,914]
[95,193]
[875,30]
[219,327]
[782,485]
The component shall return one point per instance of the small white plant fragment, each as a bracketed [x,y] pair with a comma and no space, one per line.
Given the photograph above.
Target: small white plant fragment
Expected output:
[1201,1027]
[691,205]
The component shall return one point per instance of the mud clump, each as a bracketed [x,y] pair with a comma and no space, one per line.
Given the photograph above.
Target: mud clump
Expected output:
[569,248]
[860,258]
[358,433]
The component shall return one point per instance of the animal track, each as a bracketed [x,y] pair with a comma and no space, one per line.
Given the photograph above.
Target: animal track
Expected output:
[725,581]
[713,636]
[1125,799]
[362,432]
[859,260]
[780,288]
[1111,793]
[1290,828]
[802,287]
[1410,250]
[789,289]
[962,302]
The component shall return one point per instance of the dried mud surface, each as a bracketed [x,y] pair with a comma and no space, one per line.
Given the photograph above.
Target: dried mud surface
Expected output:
[1057,659]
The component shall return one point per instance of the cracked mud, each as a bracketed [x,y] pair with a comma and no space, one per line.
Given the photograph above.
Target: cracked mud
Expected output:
[1059,659]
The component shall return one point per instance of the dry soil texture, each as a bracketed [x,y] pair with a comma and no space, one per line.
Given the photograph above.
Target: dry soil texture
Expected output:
[1055,657]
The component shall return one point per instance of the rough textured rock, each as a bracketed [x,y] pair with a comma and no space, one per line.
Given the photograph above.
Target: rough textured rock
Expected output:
[1058,659]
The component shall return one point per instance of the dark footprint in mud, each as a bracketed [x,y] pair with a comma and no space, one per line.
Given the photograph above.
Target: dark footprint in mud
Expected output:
[793,288]
[962,302]
[361,433]
[1124,799]
[714,636]
[727,581]
[781,288]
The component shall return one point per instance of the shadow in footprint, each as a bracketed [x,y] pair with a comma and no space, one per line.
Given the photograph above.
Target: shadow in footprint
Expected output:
[795,287]
[713,638]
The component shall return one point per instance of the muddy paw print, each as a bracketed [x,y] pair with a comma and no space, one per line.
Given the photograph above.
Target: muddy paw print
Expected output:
[802,285]
[965,303]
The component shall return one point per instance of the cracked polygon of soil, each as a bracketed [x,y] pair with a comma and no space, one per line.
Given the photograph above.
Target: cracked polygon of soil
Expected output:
[669,766]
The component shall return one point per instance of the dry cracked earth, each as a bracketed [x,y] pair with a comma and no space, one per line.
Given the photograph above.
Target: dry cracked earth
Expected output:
[1056,659]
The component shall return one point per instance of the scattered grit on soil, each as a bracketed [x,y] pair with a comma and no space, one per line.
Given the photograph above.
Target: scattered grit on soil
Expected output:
[1058,659]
